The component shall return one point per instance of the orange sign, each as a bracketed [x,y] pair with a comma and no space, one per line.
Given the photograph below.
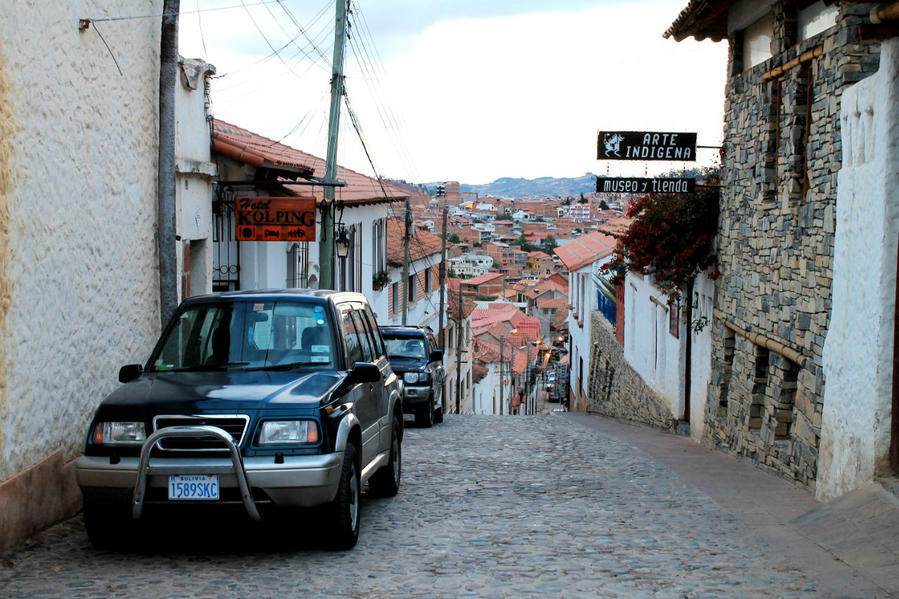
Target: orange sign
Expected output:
[275,219]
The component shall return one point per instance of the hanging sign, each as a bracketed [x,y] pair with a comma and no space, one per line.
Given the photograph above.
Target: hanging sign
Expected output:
[275,219]
[645,145]
[641,185]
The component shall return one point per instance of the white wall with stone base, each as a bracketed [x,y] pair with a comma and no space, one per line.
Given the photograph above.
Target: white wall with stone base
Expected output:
[858,350]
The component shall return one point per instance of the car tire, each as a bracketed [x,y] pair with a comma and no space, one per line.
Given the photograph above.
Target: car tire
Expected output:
[424,416]
[386,481]
[344,509]
[108,525]
[438,416]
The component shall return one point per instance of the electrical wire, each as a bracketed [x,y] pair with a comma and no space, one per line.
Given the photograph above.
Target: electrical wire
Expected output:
[164,14]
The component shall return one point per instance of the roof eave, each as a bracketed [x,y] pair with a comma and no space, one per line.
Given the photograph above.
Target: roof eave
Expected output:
[702,19]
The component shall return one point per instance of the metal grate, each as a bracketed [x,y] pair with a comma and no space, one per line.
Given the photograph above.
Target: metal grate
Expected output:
[233,424]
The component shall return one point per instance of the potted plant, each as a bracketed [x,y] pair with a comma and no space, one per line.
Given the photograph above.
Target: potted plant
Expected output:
[380,279]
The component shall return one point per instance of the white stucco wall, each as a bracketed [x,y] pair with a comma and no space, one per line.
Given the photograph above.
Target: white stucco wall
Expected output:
[195,171]
[658,356]
[855,425]
[78,152]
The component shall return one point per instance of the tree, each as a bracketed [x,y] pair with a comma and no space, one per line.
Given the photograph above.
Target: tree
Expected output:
[603,205]
[454,238]
[670,238]
[549,244]
[582,199]
[566,201]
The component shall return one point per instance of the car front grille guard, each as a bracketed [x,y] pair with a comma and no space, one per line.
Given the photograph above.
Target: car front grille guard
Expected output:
[145,470]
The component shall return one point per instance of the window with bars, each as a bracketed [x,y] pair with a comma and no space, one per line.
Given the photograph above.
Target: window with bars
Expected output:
[298,264]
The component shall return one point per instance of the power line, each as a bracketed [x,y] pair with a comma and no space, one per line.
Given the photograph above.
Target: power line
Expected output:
[164,14]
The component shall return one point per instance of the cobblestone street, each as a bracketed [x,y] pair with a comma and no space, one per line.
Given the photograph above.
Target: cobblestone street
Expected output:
[489,507]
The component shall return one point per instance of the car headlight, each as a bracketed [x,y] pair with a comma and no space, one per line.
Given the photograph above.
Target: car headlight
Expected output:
[288,432]
[119,433]
[417,378]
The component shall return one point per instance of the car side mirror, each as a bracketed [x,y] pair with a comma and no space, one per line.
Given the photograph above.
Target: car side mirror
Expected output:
[130,372]
[436,355]
[364,372]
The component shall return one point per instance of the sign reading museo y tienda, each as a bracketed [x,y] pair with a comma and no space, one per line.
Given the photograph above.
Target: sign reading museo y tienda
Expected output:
[645,145]
[642,185]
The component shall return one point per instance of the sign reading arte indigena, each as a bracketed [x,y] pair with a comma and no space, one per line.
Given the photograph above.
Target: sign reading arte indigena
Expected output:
[275,219]
[641,185]
[645,145]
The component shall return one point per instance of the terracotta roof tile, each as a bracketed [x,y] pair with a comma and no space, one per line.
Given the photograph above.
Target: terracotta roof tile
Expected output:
[584,250]
[251,148]
[422,244]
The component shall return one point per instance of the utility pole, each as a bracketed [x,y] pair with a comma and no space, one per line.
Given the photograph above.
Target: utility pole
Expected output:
[441,193]
[168,73]
[459,356]
[406,237]
[326,245]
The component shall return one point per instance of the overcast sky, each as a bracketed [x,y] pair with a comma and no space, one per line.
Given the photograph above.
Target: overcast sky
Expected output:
[464,90]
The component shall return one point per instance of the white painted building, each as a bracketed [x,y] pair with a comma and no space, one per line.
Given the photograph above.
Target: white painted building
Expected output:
[470,265]
[860,343]
[655,344]
[364,205]
[582,257]
[194,180]
[422,291]
[79,276]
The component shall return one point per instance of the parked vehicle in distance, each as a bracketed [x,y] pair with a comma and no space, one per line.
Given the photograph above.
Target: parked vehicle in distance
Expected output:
[259,400]
[415,358]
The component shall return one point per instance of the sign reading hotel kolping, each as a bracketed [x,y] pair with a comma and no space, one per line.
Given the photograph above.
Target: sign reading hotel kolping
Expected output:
[645,145]
[641,185]
[275,219]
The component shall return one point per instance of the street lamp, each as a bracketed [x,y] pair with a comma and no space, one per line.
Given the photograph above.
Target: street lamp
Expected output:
[343,243]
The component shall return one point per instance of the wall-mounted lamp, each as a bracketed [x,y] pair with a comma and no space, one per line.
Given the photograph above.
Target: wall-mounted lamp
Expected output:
[342,243]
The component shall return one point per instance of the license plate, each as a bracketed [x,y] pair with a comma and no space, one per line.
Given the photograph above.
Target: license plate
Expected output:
[194,486]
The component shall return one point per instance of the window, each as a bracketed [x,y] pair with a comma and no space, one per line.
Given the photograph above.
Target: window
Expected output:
[674,320]
[353,344]
[365,341]
[350,269]
[816,18]
[395,297]
[379,245]
[757,41]
[428,280]
[242,335]
[298,264]
[410,287]
[377,339]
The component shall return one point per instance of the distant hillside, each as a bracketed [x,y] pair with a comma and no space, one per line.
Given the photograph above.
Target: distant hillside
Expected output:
[543,186]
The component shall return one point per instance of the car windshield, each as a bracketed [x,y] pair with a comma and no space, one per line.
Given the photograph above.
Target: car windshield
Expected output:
[249,335]
[405,347]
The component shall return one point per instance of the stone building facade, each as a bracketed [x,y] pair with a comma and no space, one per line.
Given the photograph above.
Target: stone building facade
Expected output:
[781,156]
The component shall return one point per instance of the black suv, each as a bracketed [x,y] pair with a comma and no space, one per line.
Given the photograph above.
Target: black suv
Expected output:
[415,358]
[258,400]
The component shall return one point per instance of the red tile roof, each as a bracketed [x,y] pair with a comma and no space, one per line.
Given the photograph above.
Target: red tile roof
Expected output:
[422,244]
[253,149]
[487,277]
[556,303]
[584,250]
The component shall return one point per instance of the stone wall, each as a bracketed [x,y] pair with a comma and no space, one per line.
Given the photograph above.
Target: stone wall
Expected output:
[615,389]
[776,241]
